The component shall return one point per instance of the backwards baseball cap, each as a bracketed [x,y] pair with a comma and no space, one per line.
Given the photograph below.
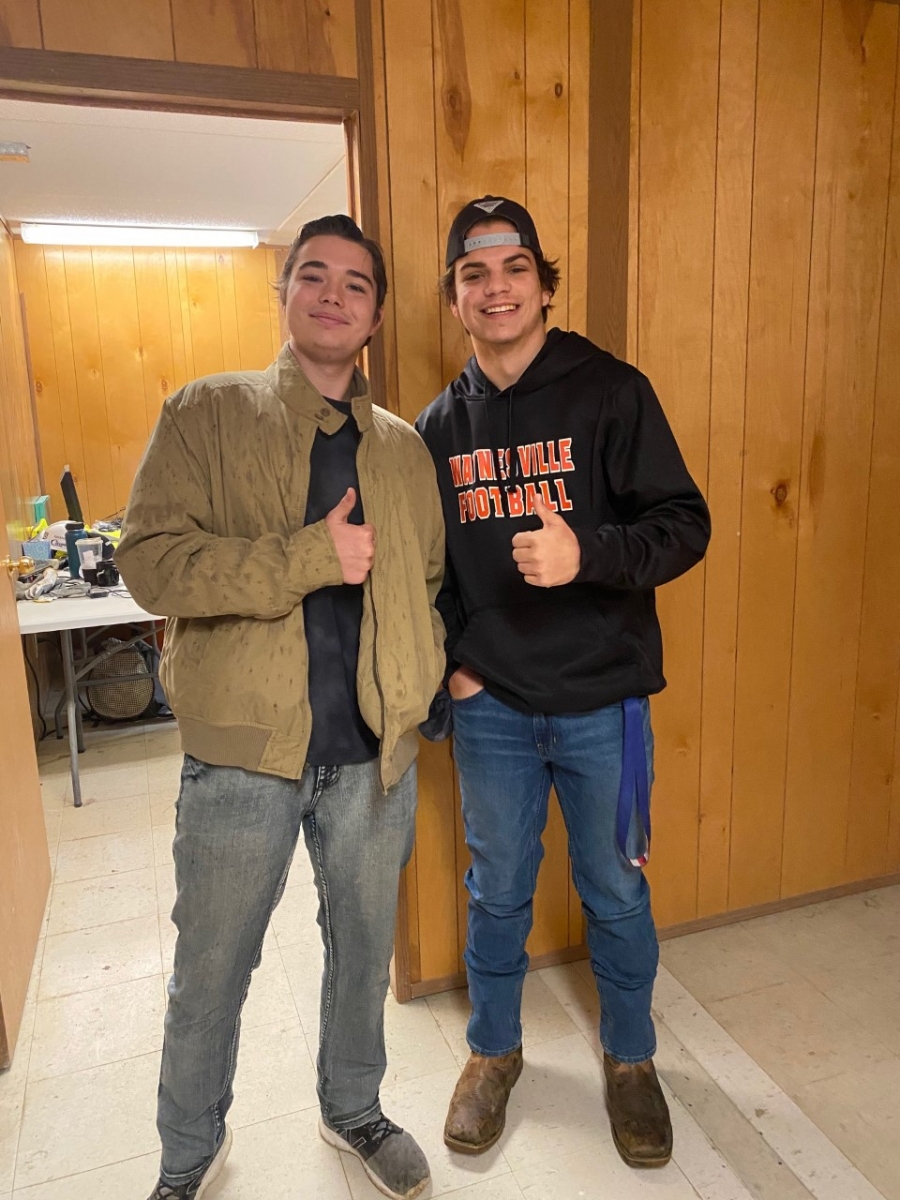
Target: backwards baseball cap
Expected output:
[491,208]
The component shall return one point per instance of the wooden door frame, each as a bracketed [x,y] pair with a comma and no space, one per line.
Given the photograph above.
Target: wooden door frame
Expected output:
[159,85]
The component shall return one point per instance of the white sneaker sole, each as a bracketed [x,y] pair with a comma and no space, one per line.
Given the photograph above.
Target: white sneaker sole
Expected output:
[215,1167]
[335,1139]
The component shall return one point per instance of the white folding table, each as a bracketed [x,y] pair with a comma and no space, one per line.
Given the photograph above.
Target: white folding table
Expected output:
[62,616]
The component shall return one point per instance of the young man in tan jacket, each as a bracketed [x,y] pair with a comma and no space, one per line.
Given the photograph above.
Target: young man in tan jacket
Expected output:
[291,532]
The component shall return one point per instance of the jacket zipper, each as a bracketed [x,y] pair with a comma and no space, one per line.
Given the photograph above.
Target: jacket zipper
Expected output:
[380,689]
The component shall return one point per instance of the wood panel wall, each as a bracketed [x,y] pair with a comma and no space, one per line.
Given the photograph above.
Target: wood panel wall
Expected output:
[19,475]
[114,331]
[475,98]
[763,301]
[314,36]
[766,308]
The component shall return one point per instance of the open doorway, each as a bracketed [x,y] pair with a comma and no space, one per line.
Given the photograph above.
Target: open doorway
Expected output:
[113,329]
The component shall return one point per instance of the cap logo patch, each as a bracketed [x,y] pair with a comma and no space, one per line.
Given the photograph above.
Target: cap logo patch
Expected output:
[491,239]
[488,206]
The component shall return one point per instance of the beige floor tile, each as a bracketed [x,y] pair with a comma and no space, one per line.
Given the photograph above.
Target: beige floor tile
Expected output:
[420,1105]
[415,1045]
[283,1159]
[164,773]
[75,1123]
[557,1106]
[101,957]
[12,1103]
[860,1112]
[91,1029]
[451,1013]
[112,854]
[825,941]
[294,919]
[274,1075]
[167,935]
[56,785]
[162,810]
[872,998]
[53,824]
[114,814]
[719,963]
[544,1019]
[543,1016]
[87,903]
[129,1180]
[115,781]
[301,872]
[796,1034]
[500,1187]
[715,1145]
[578,996]
[303,964]
[163,836]
[783,1125]
[166,891]
[270,998]
[593,1173]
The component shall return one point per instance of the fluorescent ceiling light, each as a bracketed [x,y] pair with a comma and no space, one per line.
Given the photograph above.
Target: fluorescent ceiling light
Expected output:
[134,235]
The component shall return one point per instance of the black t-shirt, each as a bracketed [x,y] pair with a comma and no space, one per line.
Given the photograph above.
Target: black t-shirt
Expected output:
[332,615]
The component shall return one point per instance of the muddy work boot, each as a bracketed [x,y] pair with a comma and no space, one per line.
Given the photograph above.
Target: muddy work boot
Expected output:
[477,1110]
[638,1113]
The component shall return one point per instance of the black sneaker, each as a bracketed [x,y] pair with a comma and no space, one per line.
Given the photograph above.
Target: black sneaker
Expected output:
[196,1187]
[390,1157]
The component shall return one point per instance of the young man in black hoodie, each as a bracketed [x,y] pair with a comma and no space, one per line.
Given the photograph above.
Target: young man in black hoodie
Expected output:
[567,502]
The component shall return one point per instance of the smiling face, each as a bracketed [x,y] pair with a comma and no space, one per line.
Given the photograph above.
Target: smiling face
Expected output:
[498,292]
[330,301]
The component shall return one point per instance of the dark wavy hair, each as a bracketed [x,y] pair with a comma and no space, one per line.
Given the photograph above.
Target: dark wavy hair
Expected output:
[336,226]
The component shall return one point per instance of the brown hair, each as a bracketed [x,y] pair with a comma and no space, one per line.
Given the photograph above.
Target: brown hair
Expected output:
[548,276]
[335,226]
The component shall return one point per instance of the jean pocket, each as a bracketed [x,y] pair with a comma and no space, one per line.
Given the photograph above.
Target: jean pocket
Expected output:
[193,768]
[466,700]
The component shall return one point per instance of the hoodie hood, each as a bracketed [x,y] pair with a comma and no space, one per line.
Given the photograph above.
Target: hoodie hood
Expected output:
[561,354]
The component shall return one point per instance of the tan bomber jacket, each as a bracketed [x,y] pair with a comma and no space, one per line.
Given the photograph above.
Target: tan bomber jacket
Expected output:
[214,540]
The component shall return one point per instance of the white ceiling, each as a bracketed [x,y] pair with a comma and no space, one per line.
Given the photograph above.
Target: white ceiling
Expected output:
[121,166]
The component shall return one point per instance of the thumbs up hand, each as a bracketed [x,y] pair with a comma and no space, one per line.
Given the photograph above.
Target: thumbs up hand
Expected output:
[549,556]
[355,544]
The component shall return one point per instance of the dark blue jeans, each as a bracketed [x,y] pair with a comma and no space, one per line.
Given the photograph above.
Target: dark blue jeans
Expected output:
[507,762]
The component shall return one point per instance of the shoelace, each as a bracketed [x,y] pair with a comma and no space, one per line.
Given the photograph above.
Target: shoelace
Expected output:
[372,1134]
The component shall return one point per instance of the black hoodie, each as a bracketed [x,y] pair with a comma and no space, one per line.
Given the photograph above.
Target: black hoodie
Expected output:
[588,435]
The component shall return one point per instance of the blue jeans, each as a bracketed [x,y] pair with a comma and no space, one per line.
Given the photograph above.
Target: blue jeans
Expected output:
[507,761]
[235,837]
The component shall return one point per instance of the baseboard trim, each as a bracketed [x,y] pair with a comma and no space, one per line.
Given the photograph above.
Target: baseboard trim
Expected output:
[785,904]
[449,983]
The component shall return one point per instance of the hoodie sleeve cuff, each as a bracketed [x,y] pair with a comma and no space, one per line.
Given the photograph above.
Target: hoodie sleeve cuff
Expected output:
[600,555]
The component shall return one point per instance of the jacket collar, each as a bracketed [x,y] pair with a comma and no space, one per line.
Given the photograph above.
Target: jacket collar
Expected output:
[286,379]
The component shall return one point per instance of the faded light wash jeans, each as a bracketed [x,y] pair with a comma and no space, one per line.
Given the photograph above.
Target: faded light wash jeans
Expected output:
[507,761]
[235,837]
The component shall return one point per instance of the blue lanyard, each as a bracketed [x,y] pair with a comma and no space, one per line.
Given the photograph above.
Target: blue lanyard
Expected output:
[634,787]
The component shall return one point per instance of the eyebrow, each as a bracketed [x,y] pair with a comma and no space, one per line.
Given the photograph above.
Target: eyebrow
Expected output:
[510,258]
[324,267]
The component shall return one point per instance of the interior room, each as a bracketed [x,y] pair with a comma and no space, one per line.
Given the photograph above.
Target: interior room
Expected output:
[718,185]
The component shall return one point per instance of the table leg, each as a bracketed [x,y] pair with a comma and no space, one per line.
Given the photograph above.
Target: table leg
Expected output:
[65,637]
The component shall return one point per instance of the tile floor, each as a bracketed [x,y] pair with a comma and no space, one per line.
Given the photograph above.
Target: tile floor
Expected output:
[779,1040]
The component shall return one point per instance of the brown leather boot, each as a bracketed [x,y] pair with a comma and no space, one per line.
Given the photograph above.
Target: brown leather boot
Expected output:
[477,1110]
[638,1113]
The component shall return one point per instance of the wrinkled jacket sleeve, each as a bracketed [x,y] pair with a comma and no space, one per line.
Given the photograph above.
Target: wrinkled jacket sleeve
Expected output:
[176,566]
[449,605]
[663,524]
